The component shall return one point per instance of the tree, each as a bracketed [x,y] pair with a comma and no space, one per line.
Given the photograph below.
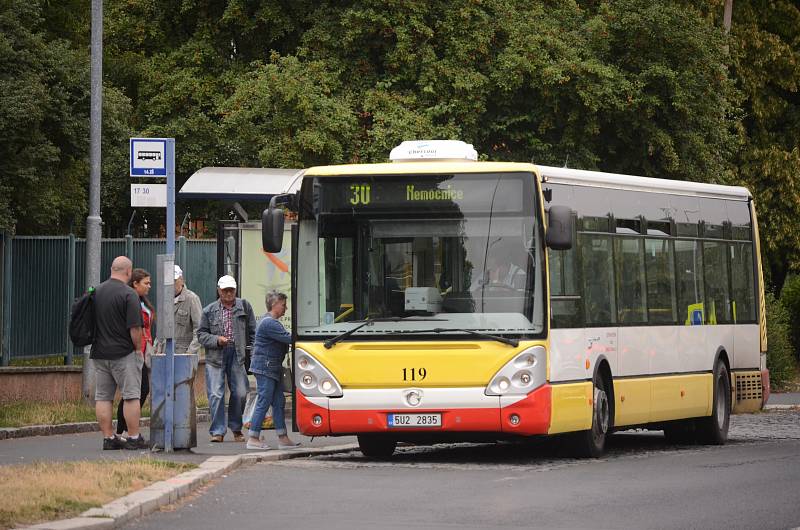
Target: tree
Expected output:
[44,118]
[765,57]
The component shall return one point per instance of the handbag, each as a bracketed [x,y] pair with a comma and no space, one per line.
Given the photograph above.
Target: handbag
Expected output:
[286,379]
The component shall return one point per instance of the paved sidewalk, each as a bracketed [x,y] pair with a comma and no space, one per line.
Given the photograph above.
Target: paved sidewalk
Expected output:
[784,398]
[88,446]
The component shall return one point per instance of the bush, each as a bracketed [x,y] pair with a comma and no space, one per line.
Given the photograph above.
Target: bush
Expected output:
[780,354]
[790,299]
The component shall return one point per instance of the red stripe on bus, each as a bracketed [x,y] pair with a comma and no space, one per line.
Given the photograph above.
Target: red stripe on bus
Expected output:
[533,412]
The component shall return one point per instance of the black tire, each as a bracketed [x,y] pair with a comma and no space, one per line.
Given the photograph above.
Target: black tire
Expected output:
[376,446]
[592,443]
[713,430]
[681,432]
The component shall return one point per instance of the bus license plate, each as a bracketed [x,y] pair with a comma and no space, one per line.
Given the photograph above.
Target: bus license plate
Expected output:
[415,420]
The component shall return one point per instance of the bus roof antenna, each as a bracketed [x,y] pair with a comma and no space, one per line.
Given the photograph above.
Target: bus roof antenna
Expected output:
[566,160]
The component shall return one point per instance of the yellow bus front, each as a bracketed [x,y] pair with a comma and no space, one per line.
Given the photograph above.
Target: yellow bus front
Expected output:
[420,300]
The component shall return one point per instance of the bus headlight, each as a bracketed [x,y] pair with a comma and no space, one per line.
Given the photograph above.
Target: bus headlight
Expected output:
[313,379]
[522,374]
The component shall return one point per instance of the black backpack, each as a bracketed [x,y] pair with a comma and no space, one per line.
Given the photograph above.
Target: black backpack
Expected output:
[81,321]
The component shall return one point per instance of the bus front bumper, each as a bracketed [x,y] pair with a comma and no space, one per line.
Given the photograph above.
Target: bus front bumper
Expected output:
[462,410]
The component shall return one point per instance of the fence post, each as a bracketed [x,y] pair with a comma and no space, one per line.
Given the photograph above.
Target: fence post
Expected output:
[70,293]
[129,246]
[182,252]
[6,338]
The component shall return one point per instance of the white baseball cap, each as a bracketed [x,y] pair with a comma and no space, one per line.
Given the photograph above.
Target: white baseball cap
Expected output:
[178,273]
[226,282]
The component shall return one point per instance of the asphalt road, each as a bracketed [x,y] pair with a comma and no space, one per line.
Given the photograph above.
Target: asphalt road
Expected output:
[753,482]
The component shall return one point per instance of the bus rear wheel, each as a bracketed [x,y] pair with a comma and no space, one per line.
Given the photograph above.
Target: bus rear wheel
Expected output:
[592,443]
[713,430]
[373,446]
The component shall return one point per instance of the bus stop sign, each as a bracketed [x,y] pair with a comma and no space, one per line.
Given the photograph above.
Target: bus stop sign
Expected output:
[148,157]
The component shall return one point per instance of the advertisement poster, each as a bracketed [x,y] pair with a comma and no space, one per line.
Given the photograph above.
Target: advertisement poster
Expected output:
[261,272]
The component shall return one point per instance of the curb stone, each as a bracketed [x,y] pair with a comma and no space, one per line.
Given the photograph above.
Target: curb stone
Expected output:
[148,500]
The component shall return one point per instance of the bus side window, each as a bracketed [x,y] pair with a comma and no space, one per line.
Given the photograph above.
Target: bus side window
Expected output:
[660,267]
[716,279]
[743,304]
[630,284]
[689,281]
[597,264]
[565,301]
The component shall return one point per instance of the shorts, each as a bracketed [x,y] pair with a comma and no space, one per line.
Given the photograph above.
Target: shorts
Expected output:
[125,373]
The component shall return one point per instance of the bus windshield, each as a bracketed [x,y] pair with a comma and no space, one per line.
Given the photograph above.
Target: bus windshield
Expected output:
[458,253]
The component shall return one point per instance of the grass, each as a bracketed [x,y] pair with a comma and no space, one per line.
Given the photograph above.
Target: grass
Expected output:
[45,491]
[23,413]
[48,360]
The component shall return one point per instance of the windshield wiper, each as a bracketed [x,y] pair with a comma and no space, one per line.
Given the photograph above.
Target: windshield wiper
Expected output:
[498,338]
[330,342]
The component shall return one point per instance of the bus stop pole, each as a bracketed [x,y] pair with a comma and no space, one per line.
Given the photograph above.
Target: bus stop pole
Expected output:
[169,417]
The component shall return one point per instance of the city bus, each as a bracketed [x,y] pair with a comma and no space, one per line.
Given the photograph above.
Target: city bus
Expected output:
[440,298]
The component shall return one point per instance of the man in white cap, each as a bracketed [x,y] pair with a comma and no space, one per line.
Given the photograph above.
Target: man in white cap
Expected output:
[188,313]
[227,329]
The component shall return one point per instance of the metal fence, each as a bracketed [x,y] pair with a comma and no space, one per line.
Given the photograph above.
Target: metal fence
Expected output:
[42,276]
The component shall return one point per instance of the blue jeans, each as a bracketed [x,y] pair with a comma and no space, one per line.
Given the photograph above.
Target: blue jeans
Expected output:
[270,392]
[215,388]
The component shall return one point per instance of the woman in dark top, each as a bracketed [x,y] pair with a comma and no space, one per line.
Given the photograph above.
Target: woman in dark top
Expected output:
[140,282]
[271,344]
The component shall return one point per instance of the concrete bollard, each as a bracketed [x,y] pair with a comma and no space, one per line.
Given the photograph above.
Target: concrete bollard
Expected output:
[184,434]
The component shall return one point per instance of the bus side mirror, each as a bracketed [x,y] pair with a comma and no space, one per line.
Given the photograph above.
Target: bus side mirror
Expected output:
[272,229]
[559,228]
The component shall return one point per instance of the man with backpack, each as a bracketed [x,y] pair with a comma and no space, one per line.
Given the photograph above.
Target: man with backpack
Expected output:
[116,355]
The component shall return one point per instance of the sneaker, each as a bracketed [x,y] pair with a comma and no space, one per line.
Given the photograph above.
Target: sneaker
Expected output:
[111,444]
[291,445]
[134,444]
[238,436]
[258,446]
[217,438]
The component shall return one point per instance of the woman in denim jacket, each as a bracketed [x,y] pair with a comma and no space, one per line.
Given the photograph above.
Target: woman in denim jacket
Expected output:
[271,345]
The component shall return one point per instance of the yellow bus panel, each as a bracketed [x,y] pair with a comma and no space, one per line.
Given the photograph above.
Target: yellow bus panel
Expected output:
[631,401]
[681,396]
[421,364]
[571,407]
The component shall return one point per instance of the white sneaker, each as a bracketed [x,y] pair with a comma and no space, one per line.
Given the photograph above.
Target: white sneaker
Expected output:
[257,446]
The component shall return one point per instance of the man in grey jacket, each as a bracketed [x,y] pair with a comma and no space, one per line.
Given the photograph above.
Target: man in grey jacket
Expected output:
[188,313]
[227,329]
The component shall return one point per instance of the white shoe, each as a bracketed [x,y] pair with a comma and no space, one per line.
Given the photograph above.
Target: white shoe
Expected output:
[257,446]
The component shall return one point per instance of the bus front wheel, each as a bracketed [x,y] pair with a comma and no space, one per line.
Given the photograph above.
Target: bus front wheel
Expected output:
[713,430]
[592,443]
[376,446]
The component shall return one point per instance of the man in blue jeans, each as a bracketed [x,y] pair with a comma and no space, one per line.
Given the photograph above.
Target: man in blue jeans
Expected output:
[227,329]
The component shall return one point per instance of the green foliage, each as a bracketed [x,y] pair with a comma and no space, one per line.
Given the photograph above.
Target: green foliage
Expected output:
[780,354]
[766,65]
[790,299]
[636,86]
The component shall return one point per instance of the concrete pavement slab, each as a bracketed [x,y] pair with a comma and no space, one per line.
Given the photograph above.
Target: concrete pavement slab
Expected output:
[95,523]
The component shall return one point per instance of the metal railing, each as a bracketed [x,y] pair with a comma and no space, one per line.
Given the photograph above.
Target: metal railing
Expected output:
[42,276]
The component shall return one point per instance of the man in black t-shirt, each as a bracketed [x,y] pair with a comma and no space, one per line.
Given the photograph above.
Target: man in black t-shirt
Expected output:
[116,355]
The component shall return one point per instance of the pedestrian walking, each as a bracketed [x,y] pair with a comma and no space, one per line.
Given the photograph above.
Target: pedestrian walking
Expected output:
[271,344]
[188,314]
[227,329]
[141,283]
[117,355]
